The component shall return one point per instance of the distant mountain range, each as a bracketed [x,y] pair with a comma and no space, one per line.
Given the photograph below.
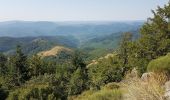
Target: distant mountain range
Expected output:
[81,30]
[96,38]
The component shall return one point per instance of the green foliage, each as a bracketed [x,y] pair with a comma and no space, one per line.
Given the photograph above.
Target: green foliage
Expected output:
[79,78]
[33,45]
[160,64]
[63,75]
[40,92]
[102,45]
[18,67]
[105,71]
[106,95]
[124,51]
[3,66]
[3,93]
[61,58]
[77,82]
[154,40]
[103,94]
[39,66]
[78,59]
[36,66]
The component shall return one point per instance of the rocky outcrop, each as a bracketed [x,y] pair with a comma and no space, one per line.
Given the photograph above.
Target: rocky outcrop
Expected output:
[167,90]
[147,76]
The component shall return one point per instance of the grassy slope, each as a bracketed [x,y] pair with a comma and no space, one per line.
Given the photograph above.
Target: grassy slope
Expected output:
[54,51]
[102,45]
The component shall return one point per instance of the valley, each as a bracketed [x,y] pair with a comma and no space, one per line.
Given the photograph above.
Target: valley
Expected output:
[35,37]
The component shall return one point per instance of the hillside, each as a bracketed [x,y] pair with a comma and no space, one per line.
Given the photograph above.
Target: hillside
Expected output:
[32,45]
[81,30]
[101,45]
[54,51]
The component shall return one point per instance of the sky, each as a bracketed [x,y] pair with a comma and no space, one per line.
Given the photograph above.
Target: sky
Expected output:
[77,10]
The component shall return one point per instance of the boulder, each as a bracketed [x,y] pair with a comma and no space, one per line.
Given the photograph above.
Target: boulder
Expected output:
[167,90]
[146,76]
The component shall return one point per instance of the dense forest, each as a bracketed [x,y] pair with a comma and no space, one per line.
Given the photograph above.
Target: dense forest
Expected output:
[116,76]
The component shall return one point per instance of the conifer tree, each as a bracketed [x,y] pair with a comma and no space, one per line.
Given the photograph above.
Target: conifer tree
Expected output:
[19,67]
[3,64]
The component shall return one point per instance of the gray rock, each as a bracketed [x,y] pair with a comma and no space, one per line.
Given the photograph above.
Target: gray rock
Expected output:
[146,76]
[167,90]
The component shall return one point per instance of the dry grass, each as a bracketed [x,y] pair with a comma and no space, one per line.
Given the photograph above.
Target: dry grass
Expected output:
[109,92]
[54,51]
[104,94]
[153,89]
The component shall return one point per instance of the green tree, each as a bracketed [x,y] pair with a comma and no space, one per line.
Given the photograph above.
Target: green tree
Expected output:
[3,65]
[63,75]
[124,51]
[3,93]
[36,65]
[79,78]
[155,34]
[78,59]
[105,71]
[77,82]
[154,39]
[19,67]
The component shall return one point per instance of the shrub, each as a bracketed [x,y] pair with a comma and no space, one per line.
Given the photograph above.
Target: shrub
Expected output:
[161,64]
[3,93]
[40,92]
[112,86]
[105,71]
[103,94]
[106,95]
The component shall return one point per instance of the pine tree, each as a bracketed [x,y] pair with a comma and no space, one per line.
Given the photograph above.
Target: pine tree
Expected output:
[19,67]
[3,63]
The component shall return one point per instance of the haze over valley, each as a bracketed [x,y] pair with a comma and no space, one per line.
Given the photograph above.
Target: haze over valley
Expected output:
[43,35]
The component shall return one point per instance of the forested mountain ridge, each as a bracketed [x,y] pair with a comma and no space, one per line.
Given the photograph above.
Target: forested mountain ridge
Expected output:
[33,45]
[101,45]
[81,30]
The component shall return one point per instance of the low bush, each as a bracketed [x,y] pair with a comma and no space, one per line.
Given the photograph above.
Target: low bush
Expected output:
[40,92]
[106,93]
[161,64]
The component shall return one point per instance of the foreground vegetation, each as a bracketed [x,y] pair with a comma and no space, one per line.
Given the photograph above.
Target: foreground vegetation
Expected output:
[25,77]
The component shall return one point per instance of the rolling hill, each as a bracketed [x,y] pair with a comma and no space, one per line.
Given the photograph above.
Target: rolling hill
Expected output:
[54,51]
[102,45]
[33,45]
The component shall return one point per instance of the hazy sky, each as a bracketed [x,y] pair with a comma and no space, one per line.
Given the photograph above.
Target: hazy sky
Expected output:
[77,10]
